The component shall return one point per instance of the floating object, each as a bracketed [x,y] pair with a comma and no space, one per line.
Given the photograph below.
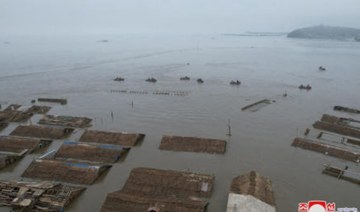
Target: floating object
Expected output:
[237,82]
[120,79]
[76,172]
[61,101]
[92,152]
[193,144]
[257,105]
[16,144]
[346,109]
[185,78]
[322,68]
[326,149]
[200,81]
[42,132]
[153,80]
[117,138]
[37,196]
[148,189]
[343,174]
[66,121]
[303,87]
[251,193]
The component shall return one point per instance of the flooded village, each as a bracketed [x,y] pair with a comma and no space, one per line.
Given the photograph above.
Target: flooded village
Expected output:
[56,177]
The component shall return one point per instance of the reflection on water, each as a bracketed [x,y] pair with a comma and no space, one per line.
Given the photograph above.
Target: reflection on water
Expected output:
[82,70]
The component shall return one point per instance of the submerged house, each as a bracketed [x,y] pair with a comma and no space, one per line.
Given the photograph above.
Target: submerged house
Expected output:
[251,193]
[154,190]
[37,196]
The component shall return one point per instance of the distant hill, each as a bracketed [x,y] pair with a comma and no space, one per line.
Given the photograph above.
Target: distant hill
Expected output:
[326,32]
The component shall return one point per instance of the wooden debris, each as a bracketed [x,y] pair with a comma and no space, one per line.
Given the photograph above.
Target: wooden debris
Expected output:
[161,190]
[193,144]
[66,121]
[42,132]
[125,139]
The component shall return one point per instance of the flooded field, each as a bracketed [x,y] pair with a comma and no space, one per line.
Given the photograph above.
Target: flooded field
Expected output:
[82,71]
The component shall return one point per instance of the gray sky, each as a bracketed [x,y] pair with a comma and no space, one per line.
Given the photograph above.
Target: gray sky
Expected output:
[168,16]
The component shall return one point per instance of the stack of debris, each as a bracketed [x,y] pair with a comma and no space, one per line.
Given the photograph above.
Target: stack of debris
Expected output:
[251,193]
[157,190]
[43,196]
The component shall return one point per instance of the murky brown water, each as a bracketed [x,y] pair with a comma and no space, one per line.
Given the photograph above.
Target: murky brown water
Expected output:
[82,71]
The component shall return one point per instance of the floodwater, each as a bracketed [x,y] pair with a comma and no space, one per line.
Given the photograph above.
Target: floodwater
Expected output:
[81,69]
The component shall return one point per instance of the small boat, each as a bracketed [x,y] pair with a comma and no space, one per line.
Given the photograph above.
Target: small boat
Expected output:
[119,79]
[237,82]
[153,80]
[303,87]
[200,80]
[185,78]
[322,68]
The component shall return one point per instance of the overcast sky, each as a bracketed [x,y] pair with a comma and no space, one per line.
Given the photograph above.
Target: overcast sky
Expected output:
[172,16]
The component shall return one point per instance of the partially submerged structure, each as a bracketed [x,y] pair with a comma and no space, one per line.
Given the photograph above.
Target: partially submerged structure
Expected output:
[326,149]
[32,196]
[155,190]
[19,144]
[8,158]
[14,116]
[125,139]
[61,101]
[66,171]
[12,107]
[251,193]
[42,132]
[38,109]
[338,125]
[193,144]
[3,125]
[346,109]
[342,174]
[104,153]
[66,121]
[257,105]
